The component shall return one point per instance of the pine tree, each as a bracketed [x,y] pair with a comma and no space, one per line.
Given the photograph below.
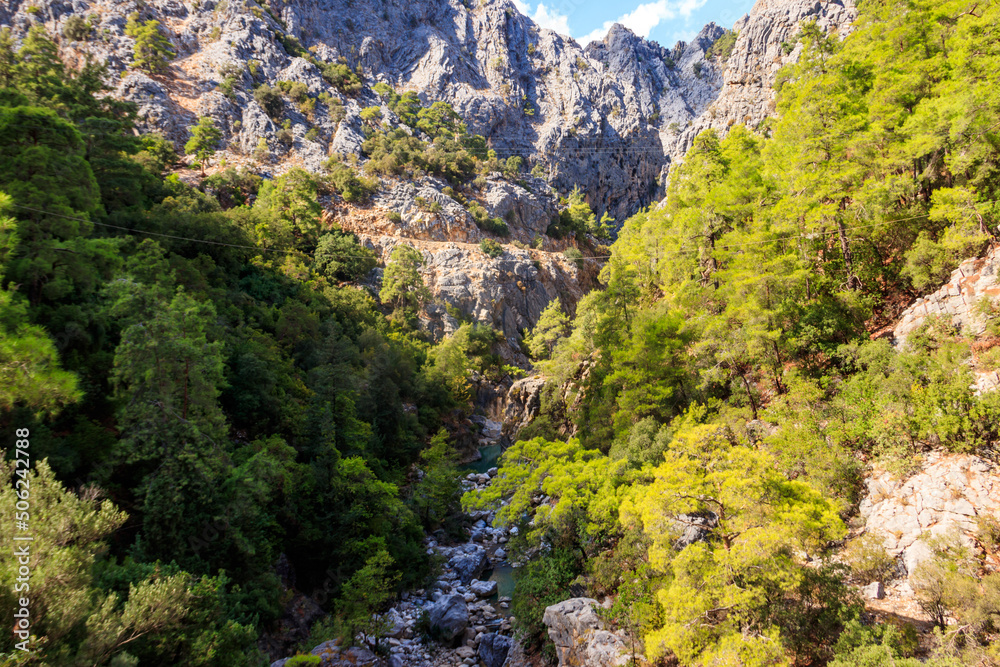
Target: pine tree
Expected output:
[205,137]
[152,50]
[552,326]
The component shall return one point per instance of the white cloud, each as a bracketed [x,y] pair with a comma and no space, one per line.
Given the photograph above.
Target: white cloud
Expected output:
[645,17]
[551,19]
[545,17]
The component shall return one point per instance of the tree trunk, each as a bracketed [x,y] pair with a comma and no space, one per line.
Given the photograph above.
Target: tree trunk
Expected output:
[852,280]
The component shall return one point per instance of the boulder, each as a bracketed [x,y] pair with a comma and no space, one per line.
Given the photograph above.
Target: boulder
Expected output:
[468,562]
[449,617]
[580,638]
[396,624]
[493,649]
[483,589]
[874,591]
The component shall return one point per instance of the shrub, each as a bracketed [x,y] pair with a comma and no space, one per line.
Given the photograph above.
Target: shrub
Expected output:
[394,217]
[486,223]
[312,134]
[286,136]
[339,256]
[868,560]
[491,248]
[341,77]
[304,661]
[262,151]
[351,188]
[723,46]
[269,100]
[76,29]
[231,187]
[574,255]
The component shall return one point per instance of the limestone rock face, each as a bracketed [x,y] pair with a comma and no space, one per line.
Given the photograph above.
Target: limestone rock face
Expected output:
[765,43]
[608,118]
[946,496]
[580,637]
[970,282]
[523,401]
[509,292]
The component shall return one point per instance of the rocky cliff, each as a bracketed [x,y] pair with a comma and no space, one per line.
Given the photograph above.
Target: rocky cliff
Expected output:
[608,118]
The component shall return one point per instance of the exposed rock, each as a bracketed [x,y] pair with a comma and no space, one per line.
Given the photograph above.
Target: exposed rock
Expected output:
[764,44]
[874,591]
[483,589]
[695,528]
[580,637]
[580,113]
[468,562]
[508,292]
[355,656]
[524,402]
[396,624]
[945,497]
[956,300]
[449,617]
[493,649]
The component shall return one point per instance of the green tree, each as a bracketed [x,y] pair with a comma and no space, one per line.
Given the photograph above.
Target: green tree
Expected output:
[363,597]
[44,170]
[733,586]
[438,492]
[339,256]
[289,211]
[205,137]
[552,326]
[153,51]
[30,372]
[402,285]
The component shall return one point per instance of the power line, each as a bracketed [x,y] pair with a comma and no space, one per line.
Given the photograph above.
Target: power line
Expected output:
[228,245]
[724,246]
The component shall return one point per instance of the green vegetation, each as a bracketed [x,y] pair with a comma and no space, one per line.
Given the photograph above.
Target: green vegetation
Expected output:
[341,77]
[724,382]
[723,46]
[491,248]
[578,218]
[152,49]
[402,285]
[205,137]
[76,28]
[202,390]
[270,101]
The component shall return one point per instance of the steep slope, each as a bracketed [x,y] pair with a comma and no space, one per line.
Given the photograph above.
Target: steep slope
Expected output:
[607,118]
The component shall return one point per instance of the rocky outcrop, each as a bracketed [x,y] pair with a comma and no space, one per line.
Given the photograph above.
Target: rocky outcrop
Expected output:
[508,292]
[607,118]
[523,402]
[973,280]
[580,638]
[765,42]
[947,496]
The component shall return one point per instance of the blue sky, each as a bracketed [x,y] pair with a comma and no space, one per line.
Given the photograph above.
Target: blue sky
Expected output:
[665,21]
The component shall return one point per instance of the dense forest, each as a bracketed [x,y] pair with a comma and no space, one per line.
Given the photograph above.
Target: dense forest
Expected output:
[211,392]
[204,387]
[735,366]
